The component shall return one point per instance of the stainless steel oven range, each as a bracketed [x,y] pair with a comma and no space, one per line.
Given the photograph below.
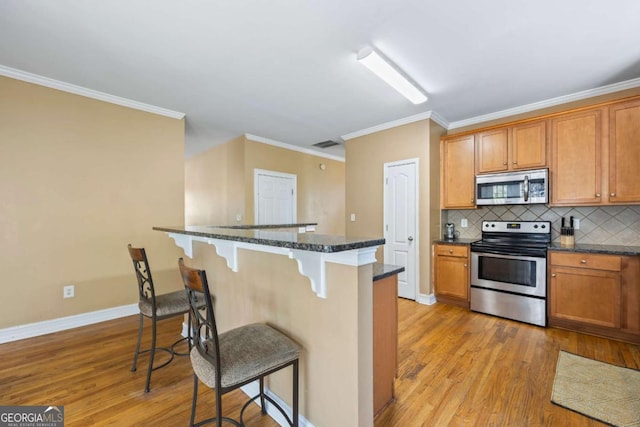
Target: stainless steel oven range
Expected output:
[509,270]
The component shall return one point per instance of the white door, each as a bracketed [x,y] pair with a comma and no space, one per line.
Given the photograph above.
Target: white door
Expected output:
[275,197]
[400,222]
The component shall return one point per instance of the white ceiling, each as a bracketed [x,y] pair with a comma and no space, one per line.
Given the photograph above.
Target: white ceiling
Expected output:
[285,70]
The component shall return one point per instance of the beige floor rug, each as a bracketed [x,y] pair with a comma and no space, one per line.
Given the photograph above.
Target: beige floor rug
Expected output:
[605,392]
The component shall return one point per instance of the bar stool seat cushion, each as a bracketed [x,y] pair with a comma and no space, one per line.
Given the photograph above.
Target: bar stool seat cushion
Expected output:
[246,352]
[166,304]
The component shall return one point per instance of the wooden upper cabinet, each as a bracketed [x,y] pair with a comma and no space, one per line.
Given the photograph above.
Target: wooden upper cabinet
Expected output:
[576,158]
[457,186]
[528,145]
[491,150]
[516,147]
[624,152]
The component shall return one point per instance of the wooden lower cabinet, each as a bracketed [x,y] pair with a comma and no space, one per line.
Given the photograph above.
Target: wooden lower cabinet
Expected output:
[451,274]
[385,341]
[594,293]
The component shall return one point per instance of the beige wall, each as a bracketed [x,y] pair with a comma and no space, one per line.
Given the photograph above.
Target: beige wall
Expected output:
[214,185]
[365,159]
[80,179]
[219,184]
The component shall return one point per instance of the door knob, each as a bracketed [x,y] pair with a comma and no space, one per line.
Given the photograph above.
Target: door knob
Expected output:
[410,239]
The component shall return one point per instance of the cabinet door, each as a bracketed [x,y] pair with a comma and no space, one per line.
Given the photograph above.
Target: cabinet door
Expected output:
[576,155]
[458,173]
[631,295]
[491,151]
[452,277]
[528,146]
[624,152]
[584,295]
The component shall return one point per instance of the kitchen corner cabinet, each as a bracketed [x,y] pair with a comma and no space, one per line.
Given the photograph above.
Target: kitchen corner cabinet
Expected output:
[457,186]
[594,293]
[576,158]
[451,274]
[517,147]
[624,152]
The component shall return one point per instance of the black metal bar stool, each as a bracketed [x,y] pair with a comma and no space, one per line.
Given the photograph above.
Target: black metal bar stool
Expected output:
[234,358]
[156,307]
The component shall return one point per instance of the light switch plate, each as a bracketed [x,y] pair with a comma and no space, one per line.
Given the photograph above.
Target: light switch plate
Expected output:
[464,223]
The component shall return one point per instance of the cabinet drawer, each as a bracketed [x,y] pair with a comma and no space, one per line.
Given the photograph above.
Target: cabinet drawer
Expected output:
[452,250]
[583,260]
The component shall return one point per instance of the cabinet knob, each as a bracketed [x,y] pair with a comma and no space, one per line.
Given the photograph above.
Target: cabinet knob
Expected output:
[472,200]
[553,275]
[504,163]
[597,194]
[465,266]
[613,194]
[583,261]
[450,251]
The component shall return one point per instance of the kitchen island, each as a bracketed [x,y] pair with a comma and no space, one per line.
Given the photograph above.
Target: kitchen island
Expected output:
[265,275]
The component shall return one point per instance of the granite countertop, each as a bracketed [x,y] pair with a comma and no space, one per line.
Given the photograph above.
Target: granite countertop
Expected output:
[580,247]
[277,236]
[263,226]
[380,270]
[598,249]
[462,241]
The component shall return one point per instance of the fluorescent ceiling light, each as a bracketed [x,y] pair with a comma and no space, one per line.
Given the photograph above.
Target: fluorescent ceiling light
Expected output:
[381,68]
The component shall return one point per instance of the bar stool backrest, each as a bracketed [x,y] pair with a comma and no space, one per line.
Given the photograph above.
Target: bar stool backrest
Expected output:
[146,290]
[205,332]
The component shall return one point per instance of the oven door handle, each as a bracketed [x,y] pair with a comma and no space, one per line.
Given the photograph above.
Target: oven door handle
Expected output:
[526,188]
[499,254]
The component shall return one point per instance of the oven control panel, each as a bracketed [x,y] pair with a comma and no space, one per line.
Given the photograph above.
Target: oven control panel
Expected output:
[538,227]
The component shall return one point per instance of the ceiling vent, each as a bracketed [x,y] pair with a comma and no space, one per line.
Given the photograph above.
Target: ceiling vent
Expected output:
[326,144]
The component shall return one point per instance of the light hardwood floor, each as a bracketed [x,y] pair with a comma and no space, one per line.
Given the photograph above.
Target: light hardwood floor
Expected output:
[456,368]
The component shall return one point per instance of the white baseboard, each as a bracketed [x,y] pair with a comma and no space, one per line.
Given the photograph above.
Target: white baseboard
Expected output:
[29,330]
[426,299]
[253,389]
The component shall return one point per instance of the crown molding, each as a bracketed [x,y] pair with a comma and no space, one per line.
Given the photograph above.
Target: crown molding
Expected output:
[577,96]
[275,143]
[89,93]
[395,123]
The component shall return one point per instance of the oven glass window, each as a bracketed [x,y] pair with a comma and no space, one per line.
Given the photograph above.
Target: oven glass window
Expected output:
[512,271]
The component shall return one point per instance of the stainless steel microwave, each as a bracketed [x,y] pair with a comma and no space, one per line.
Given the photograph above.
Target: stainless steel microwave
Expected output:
[513,188]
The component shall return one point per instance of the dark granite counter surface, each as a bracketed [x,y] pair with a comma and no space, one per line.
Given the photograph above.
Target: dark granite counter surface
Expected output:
[380,270]
[456,241]
[279,237]
[263,226]
[598,249]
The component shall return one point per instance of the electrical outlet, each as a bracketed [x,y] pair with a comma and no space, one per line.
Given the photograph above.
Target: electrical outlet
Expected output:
[68,291]
[464,223]
[576,223]
[353,217]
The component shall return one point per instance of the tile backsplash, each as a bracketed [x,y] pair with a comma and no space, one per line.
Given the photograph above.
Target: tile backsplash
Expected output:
[606,225]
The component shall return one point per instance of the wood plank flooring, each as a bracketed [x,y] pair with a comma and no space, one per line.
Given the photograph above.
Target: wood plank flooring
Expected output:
[456,368]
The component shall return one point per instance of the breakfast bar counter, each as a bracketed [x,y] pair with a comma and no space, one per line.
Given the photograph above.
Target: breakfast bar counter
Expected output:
[262,274]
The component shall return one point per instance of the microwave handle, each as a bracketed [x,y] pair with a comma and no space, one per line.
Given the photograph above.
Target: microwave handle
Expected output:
[526,188]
